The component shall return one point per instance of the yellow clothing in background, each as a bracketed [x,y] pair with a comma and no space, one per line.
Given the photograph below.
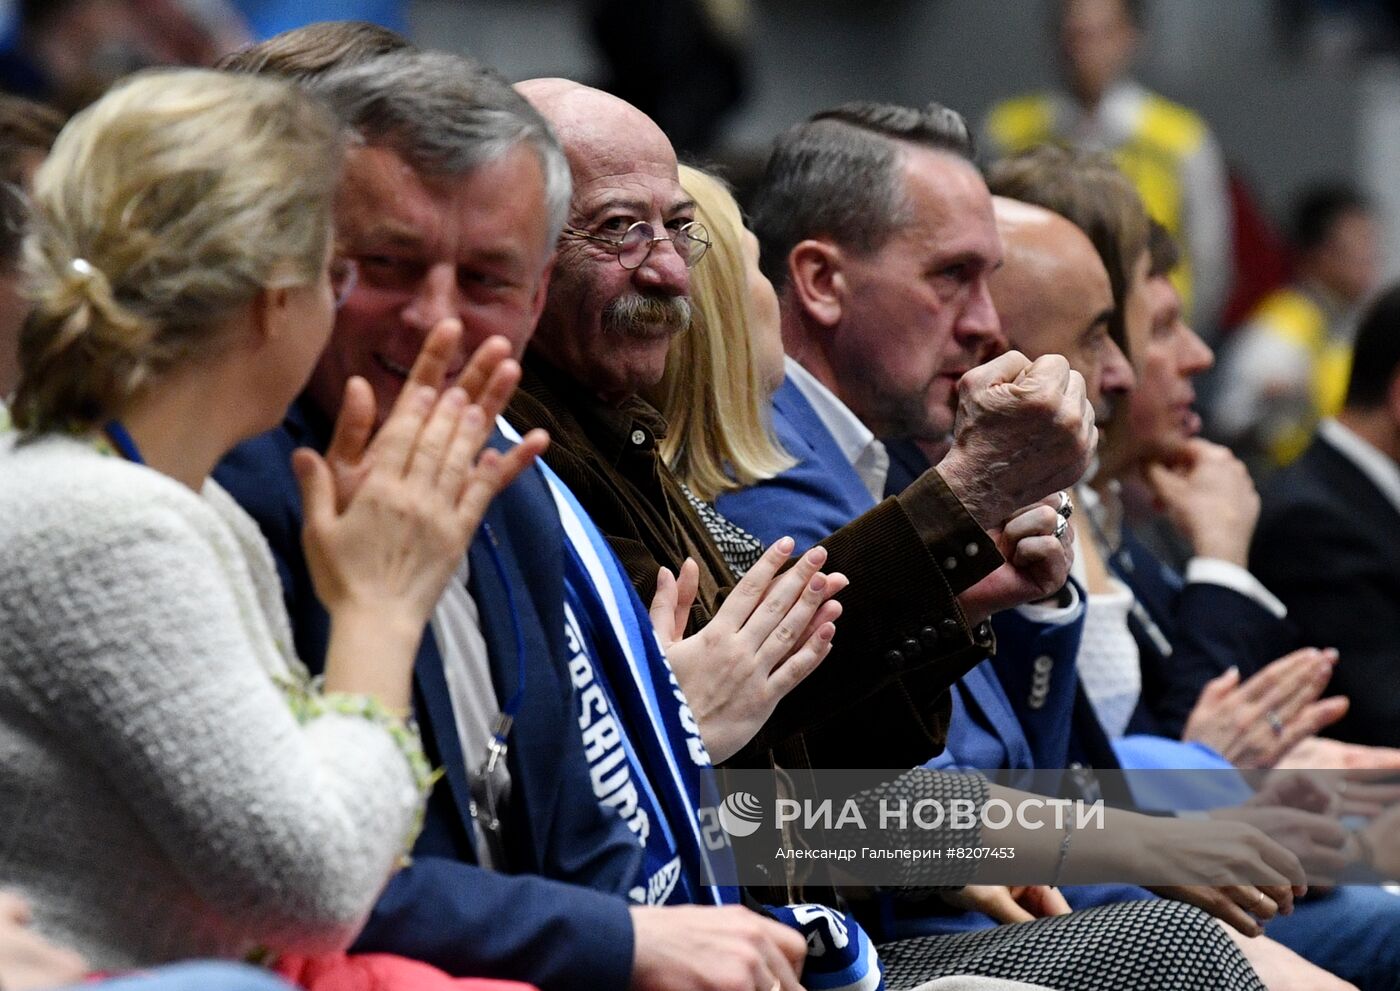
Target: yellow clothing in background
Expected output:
[1168,153]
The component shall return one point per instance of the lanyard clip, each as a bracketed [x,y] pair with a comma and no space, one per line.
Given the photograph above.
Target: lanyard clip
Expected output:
[497,747]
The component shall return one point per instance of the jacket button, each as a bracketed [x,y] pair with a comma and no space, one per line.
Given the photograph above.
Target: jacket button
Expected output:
[949,627]
[910,648]
[894,659]
[928,636]
[1044,663]
[639,437]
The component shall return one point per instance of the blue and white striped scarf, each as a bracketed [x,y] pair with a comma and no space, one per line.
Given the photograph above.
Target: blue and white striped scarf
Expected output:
[645,753]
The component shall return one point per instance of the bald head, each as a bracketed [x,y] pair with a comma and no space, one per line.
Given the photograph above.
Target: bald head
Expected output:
[600,133]
[607,325]
[1053,296]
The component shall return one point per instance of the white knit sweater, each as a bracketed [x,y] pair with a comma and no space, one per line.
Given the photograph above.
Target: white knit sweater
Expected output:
[159,798]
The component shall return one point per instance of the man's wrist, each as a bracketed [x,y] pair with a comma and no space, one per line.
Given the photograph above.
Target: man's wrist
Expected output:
[1222,547]
[982,502]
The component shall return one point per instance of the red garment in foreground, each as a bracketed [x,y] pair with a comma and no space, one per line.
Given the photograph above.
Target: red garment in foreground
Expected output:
[379,972]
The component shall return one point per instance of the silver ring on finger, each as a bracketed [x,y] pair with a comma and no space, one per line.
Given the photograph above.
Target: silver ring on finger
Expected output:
[1066,506]
[1275,723]
[1061,525]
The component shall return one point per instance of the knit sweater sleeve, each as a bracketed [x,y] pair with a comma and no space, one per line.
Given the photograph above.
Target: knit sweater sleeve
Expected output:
[146,650]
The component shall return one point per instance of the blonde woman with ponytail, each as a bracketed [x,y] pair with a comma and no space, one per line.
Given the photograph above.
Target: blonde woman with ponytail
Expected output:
[172,783]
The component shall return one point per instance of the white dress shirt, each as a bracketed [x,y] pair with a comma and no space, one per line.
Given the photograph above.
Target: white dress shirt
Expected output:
[858,445]
[466,666]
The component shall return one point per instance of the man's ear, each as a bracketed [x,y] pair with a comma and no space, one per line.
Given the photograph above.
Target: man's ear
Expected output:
[817,280]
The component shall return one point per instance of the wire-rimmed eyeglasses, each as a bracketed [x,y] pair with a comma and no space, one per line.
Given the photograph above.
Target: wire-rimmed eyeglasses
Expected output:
[634,247]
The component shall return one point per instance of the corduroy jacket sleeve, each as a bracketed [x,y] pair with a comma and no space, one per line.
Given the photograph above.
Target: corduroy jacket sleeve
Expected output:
[880,699]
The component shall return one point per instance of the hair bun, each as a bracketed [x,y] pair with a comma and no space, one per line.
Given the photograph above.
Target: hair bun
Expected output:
[83,285]
[163,209]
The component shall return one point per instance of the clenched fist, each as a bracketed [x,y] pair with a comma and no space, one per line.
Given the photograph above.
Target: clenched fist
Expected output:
[1024,429]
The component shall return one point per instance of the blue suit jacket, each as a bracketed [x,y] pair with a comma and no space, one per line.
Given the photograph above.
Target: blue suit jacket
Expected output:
[562,920]
[812,499]
[1035,706]
[1201,631]
[1000,719]
[1025,708]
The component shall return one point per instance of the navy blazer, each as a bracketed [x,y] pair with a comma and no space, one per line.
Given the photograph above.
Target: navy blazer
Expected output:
[1326,545]
[562,921]
[1192,633]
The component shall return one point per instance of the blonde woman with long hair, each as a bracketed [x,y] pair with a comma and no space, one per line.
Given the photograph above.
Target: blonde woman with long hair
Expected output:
[721,373]
[173,784]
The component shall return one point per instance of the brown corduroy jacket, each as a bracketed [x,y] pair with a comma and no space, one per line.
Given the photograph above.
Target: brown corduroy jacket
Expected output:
[880,698]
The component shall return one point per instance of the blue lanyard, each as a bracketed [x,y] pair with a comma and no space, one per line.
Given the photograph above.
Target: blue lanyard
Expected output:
[121,439]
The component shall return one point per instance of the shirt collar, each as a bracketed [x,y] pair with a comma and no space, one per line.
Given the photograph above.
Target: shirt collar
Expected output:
[1104,513]
[858,445]
[1369,460]
[631,425]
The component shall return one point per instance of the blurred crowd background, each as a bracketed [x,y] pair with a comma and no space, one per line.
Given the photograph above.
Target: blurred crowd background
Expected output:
[1280,177]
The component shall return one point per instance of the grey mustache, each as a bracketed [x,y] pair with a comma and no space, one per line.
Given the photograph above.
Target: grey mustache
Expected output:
[635,313]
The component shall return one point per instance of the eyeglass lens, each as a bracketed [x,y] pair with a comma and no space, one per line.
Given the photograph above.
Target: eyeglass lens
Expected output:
[690,243]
